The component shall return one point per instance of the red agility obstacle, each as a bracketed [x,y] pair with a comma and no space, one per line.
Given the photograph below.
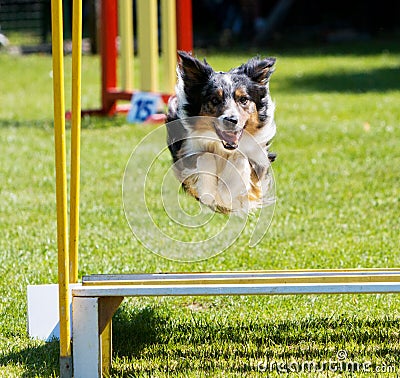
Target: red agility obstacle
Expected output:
[147,18]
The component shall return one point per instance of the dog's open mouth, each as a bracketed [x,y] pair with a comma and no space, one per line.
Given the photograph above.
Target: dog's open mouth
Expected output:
[229,139]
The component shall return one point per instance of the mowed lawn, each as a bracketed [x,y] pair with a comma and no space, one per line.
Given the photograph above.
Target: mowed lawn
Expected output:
[338,205]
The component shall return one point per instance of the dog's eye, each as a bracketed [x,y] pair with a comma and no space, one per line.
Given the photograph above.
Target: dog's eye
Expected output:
[244,100]
[215,101]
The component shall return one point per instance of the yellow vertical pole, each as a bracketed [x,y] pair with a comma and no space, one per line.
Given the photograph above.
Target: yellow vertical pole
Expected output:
[106,348]
[125,21]
[168,43]
[75,137]
[61,188]
[148,44]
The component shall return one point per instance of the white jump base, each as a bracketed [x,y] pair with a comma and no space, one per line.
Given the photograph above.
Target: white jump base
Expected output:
[97,298]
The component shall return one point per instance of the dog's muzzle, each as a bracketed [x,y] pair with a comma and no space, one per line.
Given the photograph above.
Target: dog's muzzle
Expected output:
[228,132]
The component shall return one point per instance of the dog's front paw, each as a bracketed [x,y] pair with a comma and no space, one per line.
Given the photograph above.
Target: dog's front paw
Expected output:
[208,199]
[207,179]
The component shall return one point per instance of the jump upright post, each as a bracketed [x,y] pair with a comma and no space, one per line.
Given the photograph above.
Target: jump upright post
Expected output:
[61,188]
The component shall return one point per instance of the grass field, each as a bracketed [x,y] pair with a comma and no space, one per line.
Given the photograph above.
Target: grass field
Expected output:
[337,176]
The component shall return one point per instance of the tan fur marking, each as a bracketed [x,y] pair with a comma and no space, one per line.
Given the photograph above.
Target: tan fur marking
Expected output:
[189,185]
[255,192]
[223,210]
[252,122]
[240,92]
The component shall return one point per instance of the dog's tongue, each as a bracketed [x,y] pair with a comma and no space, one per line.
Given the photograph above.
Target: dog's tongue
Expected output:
[230,137]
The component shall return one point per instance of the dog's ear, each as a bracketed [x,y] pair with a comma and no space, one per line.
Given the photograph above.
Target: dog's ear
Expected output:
[192,70]
[258,70]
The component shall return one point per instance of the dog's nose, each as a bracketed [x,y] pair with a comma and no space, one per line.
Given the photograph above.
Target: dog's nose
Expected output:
[231,119]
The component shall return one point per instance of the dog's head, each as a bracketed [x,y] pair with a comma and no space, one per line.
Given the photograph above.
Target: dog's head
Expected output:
[239,98]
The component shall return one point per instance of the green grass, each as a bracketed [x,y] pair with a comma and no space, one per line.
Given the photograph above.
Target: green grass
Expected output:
[337,176]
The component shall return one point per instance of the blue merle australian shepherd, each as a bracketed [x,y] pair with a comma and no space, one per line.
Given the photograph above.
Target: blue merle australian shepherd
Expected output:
[220,127]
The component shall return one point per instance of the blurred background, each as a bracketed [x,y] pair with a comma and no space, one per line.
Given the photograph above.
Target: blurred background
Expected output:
[223,23]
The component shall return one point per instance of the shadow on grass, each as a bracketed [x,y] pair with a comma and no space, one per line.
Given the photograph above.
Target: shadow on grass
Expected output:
[149,342]
[376,80]
[153,340]
[37,361]
[132,332]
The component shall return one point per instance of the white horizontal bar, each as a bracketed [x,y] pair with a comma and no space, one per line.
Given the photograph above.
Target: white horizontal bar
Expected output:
[211,275]
[235,289]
